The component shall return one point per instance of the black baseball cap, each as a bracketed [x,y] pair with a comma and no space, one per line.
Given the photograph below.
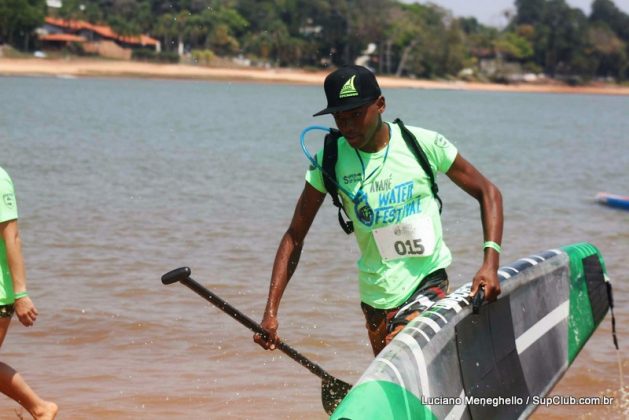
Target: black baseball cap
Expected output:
[349,87]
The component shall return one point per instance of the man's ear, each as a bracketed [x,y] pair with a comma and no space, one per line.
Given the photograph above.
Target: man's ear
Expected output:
[381,104]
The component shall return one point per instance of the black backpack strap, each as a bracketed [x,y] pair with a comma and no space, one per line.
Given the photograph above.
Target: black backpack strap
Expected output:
[330,156]
[413,144]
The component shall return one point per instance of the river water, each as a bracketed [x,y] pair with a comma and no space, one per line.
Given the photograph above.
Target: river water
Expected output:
[119,181]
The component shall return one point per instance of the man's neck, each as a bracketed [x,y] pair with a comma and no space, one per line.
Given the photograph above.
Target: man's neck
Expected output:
[380,139]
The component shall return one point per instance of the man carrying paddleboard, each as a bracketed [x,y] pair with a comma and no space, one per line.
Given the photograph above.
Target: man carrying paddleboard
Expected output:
[394,210]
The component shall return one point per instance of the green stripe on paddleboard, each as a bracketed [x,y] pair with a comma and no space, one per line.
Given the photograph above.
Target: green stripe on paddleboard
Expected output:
[580,322]
[381,400]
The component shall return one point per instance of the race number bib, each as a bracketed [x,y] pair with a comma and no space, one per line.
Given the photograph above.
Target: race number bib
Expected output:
[412,237]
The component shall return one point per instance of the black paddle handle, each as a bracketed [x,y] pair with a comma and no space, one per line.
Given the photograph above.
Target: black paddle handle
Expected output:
[478,300]
[253,326]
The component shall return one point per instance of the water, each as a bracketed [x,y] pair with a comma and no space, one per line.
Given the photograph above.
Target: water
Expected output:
[119,181]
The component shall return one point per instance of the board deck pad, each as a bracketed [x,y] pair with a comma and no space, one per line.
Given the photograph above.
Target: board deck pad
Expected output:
[451,363]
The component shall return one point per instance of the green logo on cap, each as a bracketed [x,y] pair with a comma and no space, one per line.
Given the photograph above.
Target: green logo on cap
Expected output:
[348,89]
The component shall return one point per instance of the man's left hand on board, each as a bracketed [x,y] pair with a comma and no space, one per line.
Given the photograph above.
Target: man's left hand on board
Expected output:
[486,278]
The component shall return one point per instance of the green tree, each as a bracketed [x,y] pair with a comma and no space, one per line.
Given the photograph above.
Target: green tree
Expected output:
[171,29]
[124,27]
[216,29]
[408,31]
[88,10]
[427,41]
[513,47]
[367,23]
[285,32]
[607,12]
[529,11]
[556,32]
[221,41]
[454,52]
[566,35]
[479,40]
[606,53]
[18,20]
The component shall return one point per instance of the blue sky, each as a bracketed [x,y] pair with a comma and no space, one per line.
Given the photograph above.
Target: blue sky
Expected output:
[490,12]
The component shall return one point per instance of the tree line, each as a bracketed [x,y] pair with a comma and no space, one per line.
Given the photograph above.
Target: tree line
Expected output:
[418,40]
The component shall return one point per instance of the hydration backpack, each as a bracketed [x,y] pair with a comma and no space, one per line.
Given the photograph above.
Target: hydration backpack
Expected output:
[330,156]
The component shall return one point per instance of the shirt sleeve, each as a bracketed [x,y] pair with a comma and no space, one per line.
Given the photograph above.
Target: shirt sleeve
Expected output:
[439,150]
[8,205]
[314,176]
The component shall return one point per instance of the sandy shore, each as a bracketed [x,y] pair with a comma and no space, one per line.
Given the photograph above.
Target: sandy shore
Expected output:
[104,68]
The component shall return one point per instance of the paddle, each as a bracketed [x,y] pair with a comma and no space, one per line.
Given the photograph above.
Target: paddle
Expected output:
[333,390]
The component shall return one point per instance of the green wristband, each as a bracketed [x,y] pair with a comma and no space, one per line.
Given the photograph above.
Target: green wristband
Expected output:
[21,295]
[492,245]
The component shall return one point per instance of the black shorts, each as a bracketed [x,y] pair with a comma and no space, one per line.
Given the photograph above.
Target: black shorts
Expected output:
[6,311]
[433,287]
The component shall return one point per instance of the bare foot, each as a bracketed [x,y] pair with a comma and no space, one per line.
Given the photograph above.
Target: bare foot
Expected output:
[48,411]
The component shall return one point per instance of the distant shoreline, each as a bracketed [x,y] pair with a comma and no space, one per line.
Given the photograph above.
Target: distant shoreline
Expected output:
[81,67]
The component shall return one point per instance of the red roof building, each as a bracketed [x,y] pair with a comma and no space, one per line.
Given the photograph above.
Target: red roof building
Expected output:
[92,32]
[61,38]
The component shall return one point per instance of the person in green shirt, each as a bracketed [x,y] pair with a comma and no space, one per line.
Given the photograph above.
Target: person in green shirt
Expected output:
[14,299]
[396,217]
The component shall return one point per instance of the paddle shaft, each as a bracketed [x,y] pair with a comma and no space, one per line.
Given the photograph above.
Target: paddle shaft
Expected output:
[254,326]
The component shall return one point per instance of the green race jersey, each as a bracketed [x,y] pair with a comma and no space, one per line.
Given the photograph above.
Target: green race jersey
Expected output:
[397,200]
[8,211]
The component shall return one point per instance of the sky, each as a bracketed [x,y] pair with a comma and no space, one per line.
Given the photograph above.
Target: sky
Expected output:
[491,12]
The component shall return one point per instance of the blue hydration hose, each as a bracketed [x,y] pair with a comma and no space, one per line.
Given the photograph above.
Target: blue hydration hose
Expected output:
[302,140]
[313,161]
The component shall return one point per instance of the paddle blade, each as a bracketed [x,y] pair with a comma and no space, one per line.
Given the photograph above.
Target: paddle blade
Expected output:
[332,393]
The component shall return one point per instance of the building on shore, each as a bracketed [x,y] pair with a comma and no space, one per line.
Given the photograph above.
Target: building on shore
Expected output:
[92,38]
